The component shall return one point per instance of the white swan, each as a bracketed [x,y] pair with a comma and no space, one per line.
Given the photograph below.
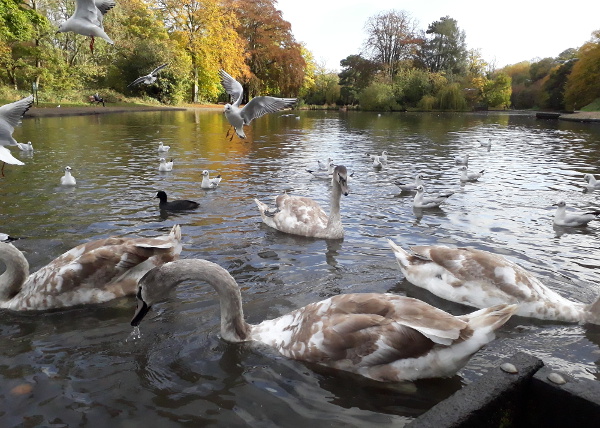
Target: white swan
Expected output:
[469,176]
[209,183]
[162,147]
[68,179]
[303,216]
[384,337]
[95,272]
[591,181]
[431,201]
[573,219]
[481,279]
[164,165]
[410,187]
[25,147]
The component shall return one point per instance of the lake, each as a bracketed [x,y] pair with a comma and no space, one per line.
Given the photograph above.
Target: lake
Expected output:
[82,367]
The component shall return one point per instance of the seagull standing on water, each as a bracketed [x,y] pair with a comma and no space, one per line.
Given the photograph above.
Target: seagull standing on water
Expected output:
[10,116]
[87,20]
[592,183]
[469,176]
[162,147]
[209,183]
[165,166]
[25,147]
[257,107]
[432,201]
[148,79]
[573,219]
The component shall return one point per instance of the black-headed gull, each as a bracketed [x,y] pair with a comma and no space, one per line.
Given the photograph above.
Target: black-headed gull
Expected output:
[10,116]
[320,173]
[462,160]
[592,183]
[87,20]
[469,176]
[257,107]
[164,165]
[25,147]
[324,165]
[148,79]
[431,201]
[209,183]
[162,147]
[68,179]
[7,238]
[410,187]
[573,219]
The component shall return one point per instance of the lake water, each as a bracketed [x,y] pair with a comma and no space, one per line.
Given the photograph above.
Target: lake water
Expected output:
[81,368]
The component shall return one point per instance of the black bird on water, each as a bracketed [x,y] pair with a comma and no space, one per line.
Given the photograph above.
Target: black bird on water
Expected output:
[179,205]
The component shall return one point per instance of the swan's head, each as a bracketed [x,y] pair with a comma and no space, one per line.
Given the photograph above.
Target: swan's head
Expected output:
[340,176]
[152,287]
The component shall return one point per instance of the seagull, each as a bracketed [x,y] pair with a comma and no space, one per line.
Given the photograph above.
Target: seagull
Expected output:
[165,166]
[469,176]
[324,165]
[7,238]
[487,143]
[431,201]
[562,218]
[257,107]
[592,183]
[462,160]
[410,187]
[148,79]
[68,179]
[25,147]
[326,174]
[376,162]
[383,157]
[10,116]
[162,147]
[87,20]
[209,183]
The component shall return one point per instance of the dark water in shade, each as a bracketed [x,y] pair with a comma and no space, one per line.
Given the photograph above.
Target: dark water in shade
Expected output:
[83,368]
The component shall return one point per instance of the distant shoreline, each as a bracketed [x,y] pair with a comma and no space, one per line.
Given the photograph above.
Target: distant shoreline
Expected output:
[91,110]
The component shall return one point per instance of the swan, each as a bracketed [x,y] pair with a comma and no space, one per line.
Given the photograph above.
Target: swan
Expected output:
[326,174]
[162,147]
[462,160]
[410,187]
[303,216]
[432,201]
[469,176]
[165,166]
[25,147]
[10,117]
[481,279]
[573,219]
[384,337]
[178,205]
[68,179]
[256,107]
[209,183]
[591,181]
[94,272]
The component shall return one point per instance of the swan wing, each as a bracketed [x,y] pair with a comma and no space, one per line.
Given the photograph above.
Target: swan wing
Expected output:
[299,216]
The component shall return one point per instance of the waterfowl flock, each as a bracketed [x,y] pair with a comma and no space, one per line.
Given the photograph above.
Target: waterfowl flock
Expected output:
[381,336]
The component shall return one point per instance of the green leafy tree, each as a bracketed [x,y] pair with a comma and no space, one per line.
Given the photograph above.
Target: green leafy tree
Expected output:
[445,48]
[497,91]
[357,73]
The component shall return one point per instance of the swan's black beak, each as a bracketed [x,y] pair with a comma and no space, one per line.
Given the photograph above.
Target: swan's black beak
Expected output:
[141,310]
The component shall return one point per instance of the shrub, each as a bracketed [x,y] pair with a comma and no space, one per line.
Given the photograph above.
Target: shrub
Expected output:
[378,97]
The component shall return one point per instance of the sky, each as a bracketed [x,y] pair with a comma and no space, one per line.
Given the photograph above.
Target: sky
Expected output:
[505,32]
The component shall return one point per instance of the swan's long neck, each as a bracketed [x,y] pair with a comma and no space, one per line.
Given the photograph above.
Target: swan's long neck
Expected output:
[16,273]
[335,219]
[157,283]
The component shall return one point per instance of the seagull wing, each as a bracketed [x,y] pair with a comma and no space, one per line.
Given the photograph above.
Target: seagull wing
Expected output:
[137,81]
[157,69]
[102,6]
[86,10]
[232,86]
[6,156]
[10,116]
[259,106]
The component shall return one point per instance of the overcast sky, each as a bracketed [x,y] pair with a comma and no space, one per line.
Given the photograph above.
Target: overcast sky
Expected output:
[505,32]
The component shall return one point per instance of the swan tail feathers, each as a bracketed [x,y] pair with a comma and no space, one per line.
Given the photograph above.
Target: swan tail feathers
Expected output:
[593,312]
[490,318]
[402,256]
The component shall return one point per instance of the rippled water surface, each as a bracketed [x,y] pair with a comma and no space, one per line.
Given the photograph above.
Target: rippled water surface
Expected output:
[82,367]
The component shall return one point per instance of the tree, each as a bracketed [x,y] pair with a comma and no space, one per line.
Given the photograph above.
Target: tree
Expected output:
[445,49]
[392,37]
[555,85]
[357,74]
[497,91]
[582,84]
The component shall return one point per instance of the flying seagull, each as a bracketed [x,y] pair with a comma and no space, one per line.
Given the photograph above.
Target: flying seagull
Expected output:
[10,116]
[87,20]
[257,107]
[148,79]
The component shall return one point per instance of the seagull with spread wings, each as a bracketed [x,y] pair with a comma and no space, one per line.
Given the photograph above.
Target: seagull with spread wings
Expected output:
[148,79]
[87,20]
[257,107]
[10,116]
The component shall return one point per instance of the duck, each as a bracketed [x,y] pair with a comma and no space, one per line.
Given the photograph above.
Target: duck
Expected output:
[324,165]
[469,176]
[298,215]
[162,147]
[381,336]
[256,107]
[462,160]
[165,166]
[432,201]
[68,179]
[91,273]
[25,147]
[325,174]
[209,183]
[591,181]
[10,117]
[573,219]
[480,279]
[178,205]
[410,187]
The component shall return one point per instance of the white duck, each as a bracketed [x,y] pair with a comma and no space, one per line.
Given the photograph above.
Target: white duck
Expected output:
[25,147]
[462,160]
[302,216]
[164,165]
[209,183]
[481,279]
[384,337]
[469,176]
[256,107]
[573,219]
[592,183]
[68,179]
[431,201]
[410,187]
[87,20]
[95,272]
[162,148]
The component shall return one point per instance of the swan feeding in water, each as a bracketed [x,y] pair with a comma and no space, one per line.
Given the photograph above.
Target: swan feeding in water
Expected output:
[384,337]
[94,272]
[298,215]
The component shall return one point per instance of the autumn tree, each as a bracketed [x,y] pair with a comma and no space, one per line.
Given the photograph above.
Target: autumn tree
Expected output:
[582,85]
[445,48]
